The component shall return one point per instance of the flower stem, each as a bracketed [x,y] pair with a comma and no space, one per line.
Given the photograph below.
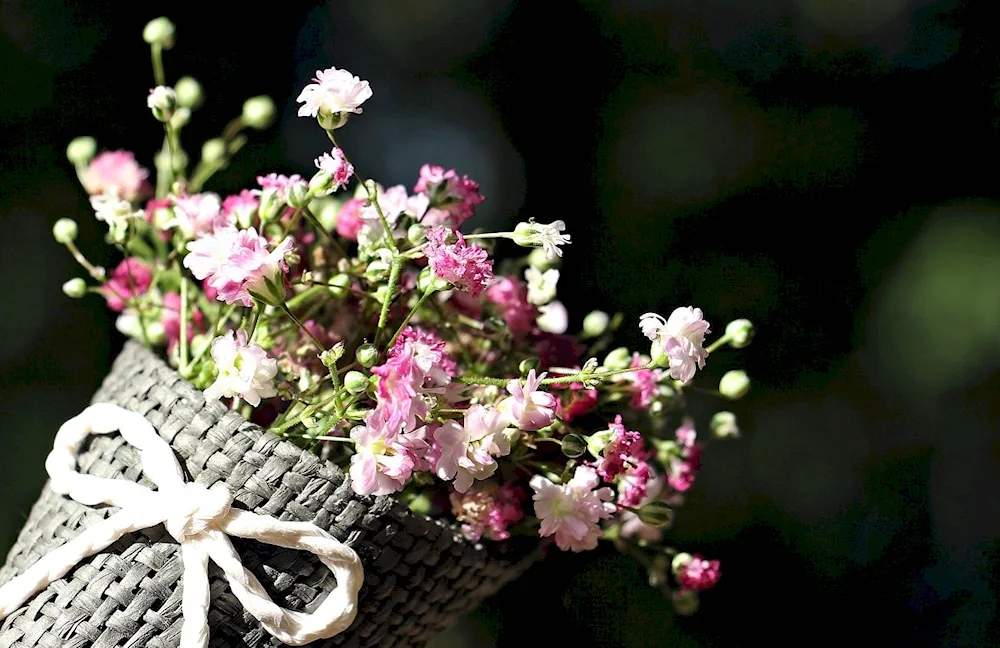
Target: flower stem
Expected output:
[158,75]
[319,345]
[718,343]
[397,265]
[409,316]
[372,197]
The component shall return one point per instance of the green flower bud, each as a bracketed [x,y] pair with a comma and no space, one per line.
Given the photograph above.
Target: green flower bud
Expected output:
[189,93]
[734,385]
[539,260]
[340,285]
[64,231]
[527,365]
[159,31]
[81,150]
[355,382]
[595,323]
[181,117]
[214,150]
[75,288]
[321,184]
[657,514]
[739,332]
[679,561]
[415,234]
[598,441]
[574,445]
[619,358]
[298,195]
[259,112]
[367,355]
[427,281]
[724,426]
[377,270]
[666,451]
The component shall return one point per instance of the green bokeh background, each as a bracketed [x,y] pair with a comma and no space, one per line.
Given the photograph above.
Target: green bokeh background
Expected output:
[825,168]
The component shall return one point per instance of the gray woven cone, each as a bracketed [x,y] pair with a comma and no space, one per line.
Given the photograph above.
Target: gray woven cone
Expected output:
[419,574]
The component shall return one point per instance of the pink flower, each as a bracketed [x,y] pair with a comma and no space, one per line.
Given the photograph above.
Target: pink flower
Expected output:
[686,460]
[333,97]
[452,199]
[678,340]
[118,173]
[633,488]
[281,185]
[170,318]
[512,297]
[240,208]
[645,384]
[572,512]
[622,448]
[349,221]
[429,353]
[336,166]
[467,450]
[632,525]
[696,573]
[488,510]
[467,267]
[385,458]
[245,371]
[238,264]
[130,279]
[528,407]
[200,214]
[394,203]
[576,402]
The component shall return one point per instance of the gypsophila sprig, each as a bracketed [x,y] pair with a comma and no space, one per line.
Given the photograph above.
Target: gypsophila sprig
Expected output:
[359,321]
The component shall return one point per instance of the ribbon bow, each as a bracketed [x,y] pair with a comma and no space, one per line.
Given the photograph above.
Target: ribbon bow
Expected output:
[199,519]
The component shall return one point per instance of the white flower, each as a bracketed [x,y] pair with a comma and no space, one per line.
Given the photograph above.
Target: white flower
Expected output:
[245,371]
[114,211]
[572,512]
[548,237]
[677,341]
[199,215]
[541,285]
[333,97]
[554,318]
[162,100]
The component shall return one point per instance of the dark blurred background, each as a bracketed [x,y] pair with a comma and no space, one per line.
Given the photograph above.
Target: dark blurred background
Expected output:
[825,168]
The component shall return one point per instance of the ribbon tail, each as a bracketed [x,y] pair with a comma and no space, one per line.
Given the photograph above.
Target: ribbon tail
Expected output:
[60,561]
[196,596]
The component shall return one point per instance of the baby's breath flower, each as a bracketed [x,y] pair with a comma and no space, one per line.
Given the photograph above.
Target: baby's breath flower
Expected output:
[245,371]
[115,212]
[189,92]
[65,230]
[159,31]
[333,97]
[162,100]
[548,237]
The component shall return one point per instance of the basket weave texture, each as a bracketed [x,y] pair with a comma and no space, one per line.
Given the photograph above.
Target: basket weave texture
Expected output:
[420,575]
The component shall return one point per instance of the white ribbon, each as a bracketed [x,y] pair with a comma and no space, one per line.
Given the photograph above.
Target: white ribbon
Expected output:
[199,519]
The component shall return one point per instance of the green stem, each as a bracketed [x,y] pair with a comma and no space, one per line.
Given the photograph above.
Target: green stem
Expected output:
[718,343]
[255,317]
[372,197]
[97,273]
[319,345]
[483,380]
[215,333]
[397,265]
[409,316]
[171,150]
[158,74]
[578,377]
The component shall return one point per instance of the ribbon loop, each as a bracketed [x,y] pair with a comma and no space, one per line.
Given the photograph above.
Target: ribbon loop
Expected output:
[199,519]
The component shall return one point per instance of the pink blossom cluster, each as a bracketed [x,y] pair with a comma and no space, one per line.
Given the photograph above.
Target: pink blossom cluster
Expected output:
[686,462]
[452,199]
[467,267]
[238,265]
[572,512]
[117,173]
[488,510]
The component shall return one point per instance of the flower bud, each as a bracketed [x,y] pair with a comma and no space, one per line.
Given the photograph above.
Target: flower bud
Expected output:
[75,288]
[377,270]
[427,281]
[355,382]
[180,118]
[339,285]
[595,323]
[619,358]
[162,100]
[367,355]
[159,31]
[64,231]
[330,356]
[598,441]
[189,93]
[527,365]
[539,260]
[270,205]
[573,445]
[416,234]
[679,561]
[321,184]
[214,150]
[259,112]
[298,195]
[657,514]
[724,426]
[739,332]
[734,385]
[81,150]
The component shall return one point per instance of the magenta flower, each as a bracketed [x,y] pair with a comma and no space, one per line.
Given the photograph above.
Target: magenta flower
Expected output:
[631,524]
[452,199]
[645,384]
[336,166]
[130,279]
[512,297]
[528,407]
[116,172]
[696,573]
[572,512]
[686,460]
[238,264]
[622,448]
[467,267]
[349,221]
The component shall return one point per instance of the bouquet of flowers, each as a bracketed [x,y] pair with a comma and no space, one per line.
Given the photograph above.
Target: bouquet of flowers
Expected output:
[359,322]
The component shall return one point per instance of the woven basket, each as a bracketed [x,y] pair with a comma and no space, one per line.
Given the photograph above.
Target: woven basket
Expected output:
[420,575]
